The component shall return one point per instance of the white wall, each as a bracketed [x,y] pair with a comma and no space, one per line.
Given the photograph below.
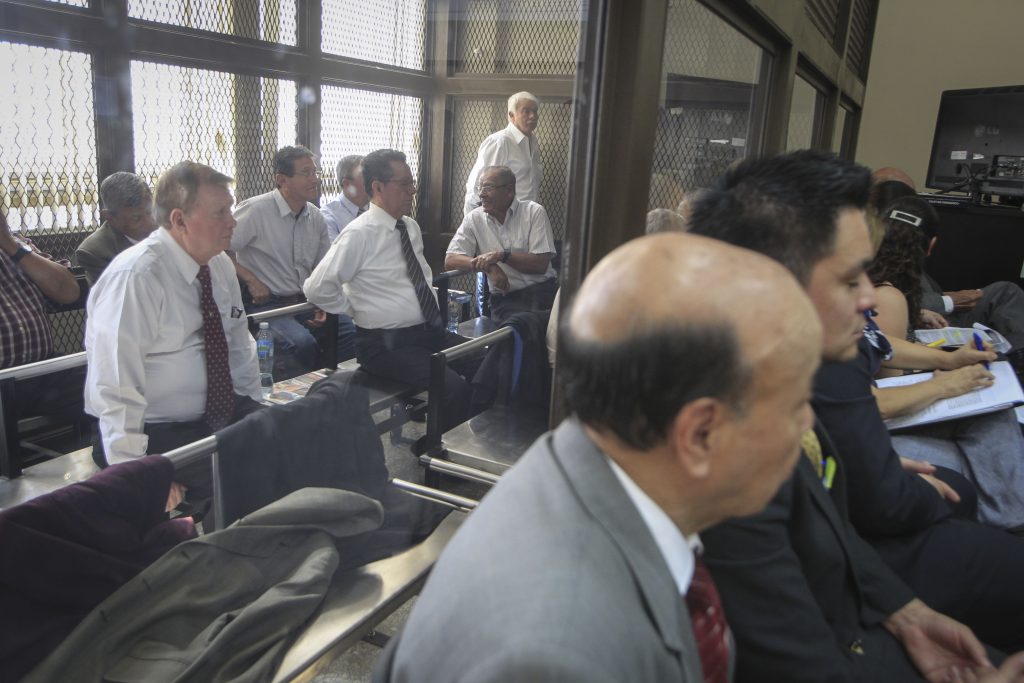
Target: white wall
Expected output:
[921,48]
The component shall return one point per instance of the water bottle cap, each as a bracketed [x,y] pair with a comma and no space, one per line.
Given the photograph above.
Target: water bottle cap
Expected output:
[264,326]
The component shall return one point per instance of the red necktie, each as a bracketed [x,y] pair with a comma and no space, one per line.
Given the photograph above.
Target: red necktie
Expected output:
[219,389]
[709,626]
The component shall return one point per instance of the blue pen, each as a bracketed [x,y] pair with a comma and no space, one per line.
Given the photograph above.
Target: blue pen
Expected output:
[981,347]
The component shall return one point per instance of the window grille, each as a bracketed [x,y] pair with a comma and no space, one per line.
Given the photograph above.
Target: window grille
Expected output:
[710,77]
[47,145]
[824,14]
[360,121]
[529,37]
[388,32]
[231,122]
[269,20]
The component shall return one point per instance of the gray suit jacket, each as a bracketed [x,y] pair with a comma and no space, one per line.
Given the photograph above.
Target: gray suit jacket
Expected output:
[97,250]
[554,577]
[931,295]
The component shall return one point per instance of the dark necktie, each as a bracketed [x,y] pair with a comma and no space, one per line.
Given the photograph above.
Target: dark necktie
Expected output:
[219,389]
[428,304]
[709,626]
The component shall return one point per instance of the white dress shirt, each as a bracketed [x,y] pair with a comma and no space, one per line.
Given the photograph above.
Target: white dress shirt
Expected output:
[364,276]
[678,550]
[280,248]
[508,147]
[144,342]
[338,214]
[526,229]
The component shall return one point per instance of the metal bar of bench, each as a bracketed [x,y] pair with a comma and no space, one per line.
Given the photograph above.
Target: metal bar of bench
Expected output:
[293,309]
[442,466]
[437,496]
[10,442]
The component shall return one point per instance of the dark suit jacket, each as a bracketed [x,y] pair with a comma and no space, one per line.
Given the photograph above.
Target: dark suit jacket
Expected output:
[554,577]
[97,250]
[799,586]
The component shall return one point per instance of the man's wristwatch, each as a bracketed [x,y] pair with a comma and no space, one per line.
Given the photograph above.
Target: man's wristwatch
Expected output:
[505,255]
[21,252]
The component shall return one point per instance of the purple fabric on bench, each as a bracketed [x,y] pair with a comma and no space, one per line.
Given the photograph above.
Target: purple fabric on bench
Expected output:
[63,553]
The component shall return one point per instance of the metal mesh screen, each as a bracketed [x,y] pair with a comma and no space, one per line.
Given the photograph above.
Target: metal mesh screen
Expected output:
[802,114]
[710,76]
[47,145]
[392,32]
[233,123]
[359,121]
[529,37]
[270,20]
[473,120]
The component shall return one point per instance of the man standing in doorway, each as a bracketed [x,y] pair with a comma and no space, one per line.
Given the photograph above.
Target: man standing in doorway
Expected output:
[514,146]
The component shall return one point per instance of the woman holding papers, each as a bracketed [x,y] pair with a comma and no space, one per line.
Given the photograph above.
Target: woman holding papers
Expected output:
[987,449]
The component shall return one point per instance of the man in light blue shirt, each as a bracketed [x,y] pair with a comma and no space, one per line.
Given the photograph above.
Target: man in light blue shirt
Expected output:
[353,199]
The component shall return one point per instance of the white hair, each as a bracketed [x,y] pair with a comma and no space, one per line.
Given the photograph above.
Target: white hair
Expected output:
[514,101]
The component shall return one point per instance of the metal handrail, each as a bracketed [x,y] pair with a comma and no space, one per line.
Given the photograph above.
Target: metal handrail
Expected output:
[292,309]
[43,367]
[438,364]
[435,495]
[456,470]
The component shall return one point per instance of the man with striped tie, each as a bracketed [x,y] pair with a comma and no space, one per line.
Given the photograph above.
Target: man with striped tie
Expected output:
[375,272]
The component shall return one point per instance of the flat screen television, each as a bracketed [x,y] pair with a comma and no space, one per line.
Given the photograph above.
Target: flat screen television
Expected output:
[979,132]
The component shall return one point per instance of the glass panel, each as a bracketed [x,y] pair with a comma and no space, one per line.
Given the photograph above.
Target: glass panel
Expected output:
[360,121]
[803,113]
[270,20]
[530,37]
[73,3]
[390,32]
[710,84]
[838,132]
[231,122]
[47,144]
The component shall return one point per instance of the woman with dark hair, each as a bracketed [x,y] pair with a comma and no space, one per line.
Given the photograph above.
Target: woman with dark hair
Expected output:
[988,449]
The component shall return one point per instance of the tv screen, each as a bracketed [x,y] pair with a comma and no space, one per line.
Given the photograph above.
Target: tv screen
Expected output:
[982,131]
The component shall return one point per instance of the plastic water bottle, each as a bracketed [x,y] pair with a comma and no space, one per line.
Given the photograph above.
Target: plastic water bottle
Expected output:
[265,353]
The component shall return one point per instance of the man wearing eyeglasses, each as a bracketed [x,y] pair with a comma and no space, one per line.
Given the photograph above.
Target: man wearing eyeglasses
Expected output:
[510,241]
[280,238]
[376,272]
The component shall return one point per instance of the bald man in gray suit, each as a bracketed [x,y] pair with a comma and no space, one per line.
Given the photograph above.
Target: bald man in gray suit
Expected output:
[583,563]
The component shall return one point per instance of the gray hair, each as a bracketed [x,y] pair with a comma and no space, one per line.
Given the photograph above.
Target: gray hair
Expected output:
[123,190]
[514,101]
[664,220]
[178,188]
[347,166]
[505,174]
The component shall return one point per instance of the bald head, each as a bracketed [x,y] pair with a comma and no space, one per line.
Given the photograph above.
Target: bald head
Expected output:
[671,317]
[887,173]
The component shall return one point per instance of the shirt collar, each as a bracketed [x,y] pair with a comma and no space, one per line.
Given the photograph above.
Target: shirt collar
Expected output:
[379,215]
[516,134]
[183,263]
[283,208]
[349,205]
[678,550]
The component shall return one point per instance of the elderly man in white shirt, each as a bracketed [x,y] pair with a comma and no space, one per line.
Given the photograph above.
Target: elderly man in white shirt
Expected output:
[279,239]
[514,146]
[170,357]
[510,241]
[375,271]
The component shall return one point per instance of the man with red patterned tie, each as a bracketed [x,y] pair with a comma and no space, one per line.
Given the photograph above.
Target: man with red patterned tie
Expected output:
[170,357]
[583,563]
